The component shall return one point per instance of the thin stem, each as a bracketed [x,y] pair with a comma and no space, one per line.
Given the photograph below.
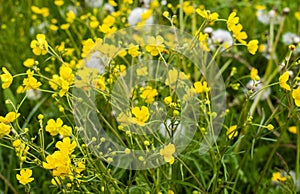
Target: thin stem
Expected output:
[7,183]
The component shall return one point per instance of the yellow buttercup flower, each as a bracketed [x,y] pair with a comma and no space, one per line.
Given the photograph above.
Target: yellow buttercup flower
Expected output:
[252,46]
[106,29]
[9,117]
[59,162]
[133,50]
[25,176]
[94,22]
[66,146]
[239,34]
[65,26]
[147,14]
[201,87]
[6,78]
[283,79]
[112,3]
[170,192]
[293,129]
[297,15]
[232,21]
[210,17]
[45,11]
[296,96]
[187,8]
[40,45]
[278,177]
[167,152]
[141,115]
[70,17]
[109,20]
[149,94]
[58,3]
[168,100]
[155,45]
[30,82]
[203,39]
[231,132]
[87,46]
[53,126]
[254,74]
[28,62]
[4,129]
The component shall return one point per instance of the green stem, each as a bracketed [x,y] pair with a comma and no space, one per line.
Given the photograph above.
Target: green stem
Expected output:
[181,16]
[7,183]
[298,156]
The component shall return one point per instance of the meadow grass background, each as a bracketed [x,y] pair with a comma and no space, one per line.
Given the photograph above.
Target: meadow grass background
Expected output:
[15,38]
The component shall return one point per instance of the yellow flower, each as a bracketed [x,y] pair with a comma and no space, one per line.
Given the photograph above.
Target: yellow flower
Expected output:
[53,27]
[80,167]
[296,96]
[239,34]
[187,8]
[133,50]
[170,192]
[45,11]
[6,78]
[154,4]
[9,117]
[149,94]
[210,17]
[167,152]
[58,3]
[63,81]
[30,82]
[283,79]
[4,129]
[70,17]
[65,26]
[293,129]
[252,46]
[231,132]
[59,162]
[109,20]
[53,126]
[87,46]
[94,22]
[232,21]
[66,146]
[141,115]
[36,10]
[65,131]
[155,45]
[112,3]
[25,176]
[278,177]
[40,45]
[201,87]
[101,83]
[168,100]
[172,77]
[28,62]
[128,1]
[254,74]
[297,15]
[107,29]
[146,15]
[203,39]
